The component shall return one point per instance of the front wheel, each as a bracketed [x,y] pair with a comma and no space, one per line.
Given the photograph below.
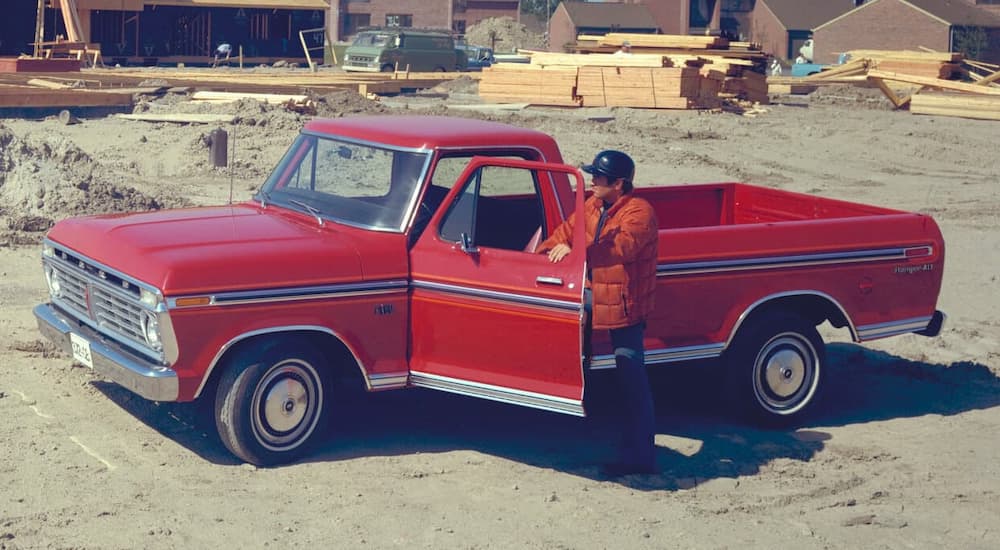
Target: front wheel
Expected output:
[774,367]
[270,401]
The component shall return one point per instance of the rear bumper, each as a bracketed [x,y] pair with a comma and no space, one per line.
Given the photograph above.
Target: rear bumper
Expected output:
[145,378]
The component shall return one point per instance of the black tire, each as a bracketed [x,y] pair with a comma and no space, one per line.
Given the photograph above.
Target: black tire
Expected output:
[387,68]
[774,367]
[271,401]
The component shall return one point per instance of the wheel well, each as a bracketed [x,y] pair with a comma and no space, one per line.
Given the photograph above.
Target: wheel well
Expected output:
[811,307]
[341,362]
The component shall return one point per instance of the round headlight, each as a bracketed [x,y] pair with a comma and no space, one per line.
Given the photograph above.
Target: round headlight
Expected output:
[151,328]
[52,278]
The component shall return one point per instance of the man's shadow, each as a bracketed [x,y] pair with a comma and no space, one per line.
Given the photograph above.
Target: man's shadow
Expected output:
[698,440]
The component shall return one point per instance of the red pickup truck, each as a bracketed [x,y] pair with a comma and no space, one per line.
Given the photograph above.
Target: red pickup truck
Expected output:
[397,251]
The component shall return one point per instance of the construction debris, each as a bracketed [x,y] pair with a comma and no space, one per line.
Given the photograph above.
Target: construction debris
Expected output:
[920,81]
[661,72]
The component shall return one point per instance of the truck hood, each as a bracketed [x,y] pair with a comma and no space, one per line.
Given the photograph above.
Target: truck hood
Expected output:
[226,248]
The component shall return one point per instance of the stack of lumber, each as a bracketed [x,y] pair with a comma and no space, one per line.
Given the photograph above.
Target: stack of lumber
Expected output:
[536,84]
[742,62]
[612,41]
[662,72]
[660,87]
[928,64]
[979,106]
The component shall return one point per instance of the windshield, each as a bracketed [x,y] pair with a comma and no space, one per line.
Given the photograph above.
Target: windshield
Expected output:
[372,39]
[356,184]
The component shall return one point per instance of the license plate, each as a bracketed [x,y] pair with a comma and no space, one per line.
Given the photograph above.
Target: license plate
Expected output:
[81,350]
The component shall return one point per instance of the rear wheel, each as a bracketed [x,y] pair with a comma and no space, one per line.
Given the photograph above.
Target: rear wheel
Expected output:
[387,68]
[774,367]
[270,401]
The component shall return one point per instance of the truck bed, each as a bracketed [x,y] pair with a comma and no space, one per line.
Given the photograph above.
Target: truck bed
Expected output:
[718,204]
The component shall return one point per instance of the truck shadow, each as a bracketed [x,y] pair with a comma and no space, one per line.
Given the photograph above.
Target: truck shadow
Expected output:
[698,442]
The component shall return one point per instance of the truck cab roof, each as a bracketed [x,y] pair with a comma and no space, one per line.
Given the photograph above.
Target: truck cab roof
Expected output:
[428,132]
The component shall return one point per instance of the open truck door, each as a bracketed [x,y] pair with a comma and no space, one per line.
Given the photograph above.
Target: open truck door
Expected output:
[490,317]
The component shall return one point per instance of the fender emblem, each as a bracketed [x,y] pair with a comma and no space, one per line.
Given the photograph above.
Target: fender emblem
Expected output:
[383,309]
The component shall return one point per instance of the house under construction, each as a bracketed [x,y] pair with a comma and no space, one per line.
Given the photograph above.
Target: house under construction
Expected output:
[152,32]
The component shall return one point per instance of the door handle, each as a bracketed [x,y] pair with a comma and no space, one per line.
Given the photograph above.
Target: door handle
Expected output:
[541,279]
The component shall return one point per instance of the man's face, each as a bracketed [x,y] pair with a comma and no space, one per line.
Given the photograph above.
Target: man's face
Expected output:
[604,188]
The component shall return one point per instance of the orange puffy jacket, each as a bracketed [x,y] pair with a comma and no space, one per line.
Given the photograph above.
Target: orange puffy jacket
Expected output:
[622,261]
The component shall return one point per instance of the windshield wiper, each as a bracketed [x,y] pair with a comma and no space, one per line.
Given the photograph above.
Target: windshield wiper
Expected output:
[309,208]
[264,198]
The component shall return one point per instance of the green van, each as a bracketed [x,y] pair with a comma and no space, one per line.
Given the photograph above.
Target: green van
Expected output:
[386,49]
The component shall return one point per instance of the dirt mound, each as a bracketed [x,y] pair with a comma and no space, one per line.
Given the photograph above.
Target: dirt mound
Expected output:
[49,177]
[461,85]
[503,34]
[346,102]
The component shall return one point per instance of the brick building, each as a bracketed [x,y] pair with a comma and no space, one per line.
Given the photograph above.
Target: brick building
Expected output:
[347,16]
[782,26]
[683,16]
[942,25]
[574,18]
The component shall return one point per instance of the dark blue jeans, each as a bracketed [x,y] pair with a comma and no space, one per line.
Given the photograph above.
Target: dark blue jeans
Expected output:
[636,407]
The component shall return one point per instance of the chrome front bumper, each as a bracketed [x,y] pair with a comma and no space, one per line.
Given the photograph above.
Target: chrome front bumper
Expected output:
[143,377]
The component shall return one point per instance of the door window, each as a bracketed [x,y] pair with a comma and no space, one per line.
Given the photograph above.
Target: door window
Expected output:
[498,207]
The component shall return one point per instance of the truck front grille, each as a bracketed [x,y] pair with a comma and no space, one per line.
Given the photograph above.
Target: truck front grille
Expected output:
[106,302]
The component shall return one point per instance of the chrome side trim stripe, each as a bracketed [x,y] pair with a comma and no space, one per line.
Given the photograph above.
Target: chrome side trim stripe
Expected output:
[388,381]
[497,393]
[501,296]
[298,293]
[892,328]
[666,355]
[771,262]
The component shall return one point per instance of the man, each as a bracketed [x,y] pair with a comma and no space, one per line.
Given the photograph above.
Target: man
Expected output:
[621,246]
[625,49]
[222,53]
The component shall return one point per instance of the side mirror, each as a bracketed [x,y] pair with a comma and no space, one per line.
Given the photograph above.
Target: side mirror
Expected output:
[468,246]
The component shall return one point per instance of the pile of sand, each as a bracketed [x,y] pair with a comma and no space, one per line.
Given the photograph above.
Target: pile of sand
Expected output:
[47,178]
[503,34]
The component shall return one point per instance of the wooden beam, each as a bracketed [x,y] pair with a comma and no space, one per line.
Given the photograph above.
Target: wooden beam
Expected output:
[989,79]
[935,83]
[898,102]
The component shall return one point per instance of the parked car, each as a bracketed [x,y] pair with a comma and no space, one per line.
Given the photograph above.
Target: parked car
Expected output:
[403,49]
[479,57]
[389,252]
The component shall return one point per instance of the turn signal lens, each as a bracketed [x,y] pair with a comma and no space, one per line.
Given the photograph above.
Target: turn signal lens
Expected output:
[193,301]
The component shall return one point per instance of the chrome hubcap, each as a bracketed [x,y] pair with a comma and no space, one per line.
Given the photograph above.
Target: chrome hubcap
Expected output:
[287,405]
[785,373]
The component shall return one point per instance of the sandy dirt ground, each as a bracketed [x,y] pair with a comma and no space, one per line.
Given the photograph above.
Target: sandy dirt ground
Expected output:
[900,451]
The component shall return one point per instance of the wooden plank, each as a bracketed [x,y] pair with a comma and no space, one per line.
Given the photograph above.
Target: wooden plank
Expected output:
[989,79]
[547,59]
[935,83]
[49,84]
[184,118]
[897,101]
[236,96]
[35,97]
[941,57]
[664,40]
[554,101]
